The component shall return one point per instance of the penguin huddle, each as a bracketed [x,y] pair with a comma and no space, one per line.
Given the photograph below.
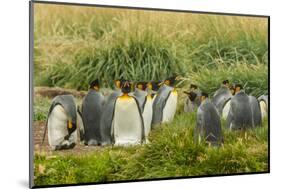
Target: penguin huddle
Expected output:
[231,103]
[122,118]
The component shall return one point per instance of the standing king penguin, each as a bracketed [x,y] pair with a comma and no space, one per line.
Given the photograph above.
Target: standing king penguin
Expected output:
[256,111]
[127,124]
[140,94]
[107,113]
[61,123]
[91,114]
[165,103]
[208,126]
[190,105]
[222,96]
[240,113]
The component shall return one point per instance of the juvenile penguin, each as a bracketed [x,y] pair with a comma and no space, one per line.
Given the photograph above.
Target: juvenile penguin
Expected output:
[240,113]
[263,101]
[208,125]
[221,96]
[190,105]
[91,114]
[107,113]
[61,123]
[256,111]
[165,103]
[127,124]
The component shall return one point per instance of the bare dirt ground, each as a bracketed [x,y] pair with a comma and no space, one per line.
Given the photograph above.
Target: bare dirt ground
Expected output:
[38,132]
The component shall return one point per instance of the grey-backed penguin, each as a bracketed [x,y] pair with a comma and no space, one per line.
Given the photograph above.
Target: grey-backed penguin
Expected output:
[107,113]
[165,103]
[263,101]
[208,125]
[240,113]
[190,105]
[194,88]
[222,96]
[140,94]
[127,123]
[91,114]
[61,123]
[256,110]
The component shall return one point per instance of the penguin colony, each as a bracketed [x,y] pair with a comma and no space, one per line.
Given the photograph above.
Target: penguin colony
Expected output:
[126,116]
[122,118]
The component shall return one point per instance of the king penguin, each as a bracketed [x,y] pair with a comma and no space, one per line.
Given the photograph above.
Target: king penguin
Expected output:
[61,123]
[165,103]
[148,110]
[222,97]
[208,125]
[240,113]
[190,105]
[127,123]
[140,94]
[263,101]
[256,111]
[194,88]
[91,114]
[107,113]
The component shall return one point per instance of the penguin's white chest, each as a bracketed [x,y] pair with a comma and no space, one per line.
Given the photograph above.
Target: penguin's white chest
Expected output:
[57,128]
[170,107]
[263,107]
[226,110]
[147,115]
[127,122]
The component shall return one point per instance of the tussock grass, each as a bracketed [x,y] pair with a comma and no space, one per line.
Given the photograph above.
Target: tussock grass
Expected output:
[74,45]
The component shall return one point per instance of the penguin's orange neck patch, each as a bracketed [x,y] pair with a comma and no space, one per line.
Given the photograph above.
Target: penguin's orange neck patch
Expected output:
[174,91]
[69,125]
[125,96]
[149,97]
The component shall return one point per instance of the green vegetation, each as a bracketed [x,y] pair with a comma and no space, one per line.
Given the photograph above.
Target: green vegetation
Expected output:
[74,45]
[170,153]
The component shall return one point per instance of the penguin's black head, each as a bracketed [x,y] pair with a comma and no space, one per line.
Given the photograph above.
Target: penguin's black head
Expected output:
[154,85]
[95,85]
[141,85]
[225,83]
[191,95]
[238,88]
[172,80]
[204,96]
[118,83]
[193,87]
[126,87]
[232,89]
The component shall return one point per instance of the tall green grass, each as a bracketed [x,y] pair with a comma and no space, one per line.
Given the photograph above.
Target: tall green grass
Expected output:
[74,45]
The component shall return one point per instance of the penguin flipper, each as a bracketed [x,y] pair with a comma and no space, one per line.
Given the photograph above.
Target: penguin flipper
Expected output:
[142,122]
